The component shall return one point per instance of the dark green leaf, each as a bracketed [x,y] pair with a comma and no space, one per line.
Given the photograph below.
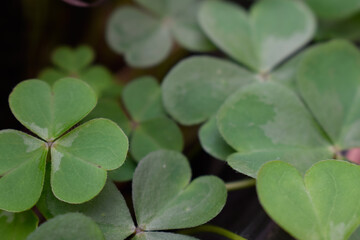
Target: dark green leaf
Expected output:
[17,226]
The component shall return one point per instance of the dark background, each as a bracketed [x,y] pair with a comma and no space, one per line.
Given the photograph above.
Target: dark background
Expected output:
[31,29]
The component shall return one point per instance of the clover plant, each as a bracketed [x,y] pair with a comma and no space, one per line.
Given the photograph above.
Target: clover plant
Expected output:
[163,198]
[145,36]
[79,158]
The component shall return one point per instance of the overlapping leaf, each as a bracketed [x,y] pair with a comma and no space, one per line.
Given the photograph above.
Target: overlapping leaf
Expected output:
[333,9]
[145,38]
[323,205]
[17,226]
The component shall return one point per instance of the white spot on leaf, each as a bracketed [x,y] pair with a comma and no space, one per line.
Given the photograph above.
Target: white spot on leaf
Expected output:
[56,160]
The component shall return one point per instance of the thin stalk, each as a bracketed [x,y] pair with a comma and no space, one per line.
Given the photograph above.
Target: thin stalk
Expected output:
[212,229]
[231,186]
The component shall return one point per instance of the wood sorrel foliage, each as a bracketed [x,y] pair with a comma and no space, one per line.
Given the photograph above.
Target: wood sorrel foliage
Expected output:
[79,158]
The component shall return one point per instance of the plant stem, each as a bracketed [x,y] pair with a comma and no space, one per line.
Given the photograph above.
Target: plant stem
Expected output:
[212,229]
[231,186]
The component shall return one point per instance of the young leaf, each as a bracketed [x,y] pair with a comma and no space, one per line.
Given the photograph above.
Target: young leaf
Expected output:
[161,236]
[17,226]
[108,210]
[324,205]
[329,81]
[164,199]
[155,134]
[51,75]
[196,87]
[22,166]
[142,98]
[333,9]
[265,122]
[47,111]
[68,226]
[258,40]
[73,60]
[212,141]
[80,159]
[110,109]
[140,36]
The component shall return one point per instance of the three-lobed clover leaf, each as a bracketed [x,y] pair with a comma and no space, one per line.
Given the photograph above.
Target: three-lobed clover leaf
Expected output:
[17,226]
[79,158]
[163,197]
[267,122]
[323,205]
[150,129]
[68,226]
[75,62]
[145,37]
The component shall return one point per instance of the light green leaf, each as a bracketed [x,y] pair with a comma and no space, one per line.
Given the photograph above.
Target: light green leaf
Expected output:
[68,227]
[47,111]
[98,77]
[334,9]
[196,87]
[108,210]
[17,226]
[155,134]
[142,98]
[267,121]
[164,199]
[125,172]
[324,205]
[329,81]
[22,166]
[73,60]
[51,75]
[262,39]
[138,35]
[161,236]
[212,142]
[110,109]
[79,159]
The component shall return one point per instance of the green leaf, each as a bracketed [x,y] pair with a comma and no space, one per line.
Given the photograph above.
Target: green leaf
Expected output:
[324,205]
[98,77]
[334,9]
[262,39]
[22,166]
[138,35]
[108,210]
[125,172]
[267,121]
[212,141]
[158,7]
[329,80]
[49,112]
[355,235]
[348,28]
[79,159]
[17,226]
[73,60]
[68,226]
[164,199]
[196,87]
[155,134]
[142,98]
[51,75]
[161,236]
[110,109]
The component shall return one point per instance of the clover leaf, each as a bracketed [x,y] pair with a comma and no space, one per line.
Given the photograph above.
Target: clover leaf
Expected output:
[17,226]
[75,62]
[151,129]
[267,122]
[173,203]
[79,158]
[323,205]
[145,37]
[257,39]
[68,226]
